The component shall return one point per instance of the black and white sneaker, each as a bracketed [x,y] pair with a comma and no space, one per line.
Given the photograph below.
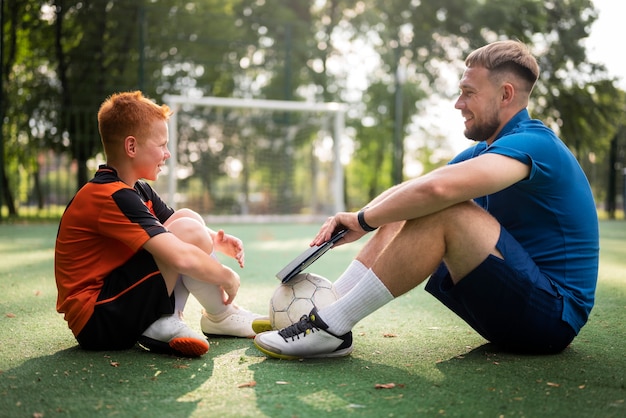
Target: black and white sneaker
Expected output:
[307,338]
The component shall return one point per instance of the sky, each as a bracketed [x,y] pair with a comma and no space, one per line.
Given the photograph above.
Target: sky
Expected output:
[607,32]
[603,47]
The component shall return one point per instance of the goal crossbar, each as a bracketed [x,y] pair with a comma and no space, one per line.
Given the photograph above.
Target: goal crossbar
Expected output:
[338,110]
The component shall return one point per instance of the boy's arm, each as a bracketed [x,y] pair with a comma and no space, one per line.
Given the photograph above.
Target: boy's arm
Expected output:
[179,257]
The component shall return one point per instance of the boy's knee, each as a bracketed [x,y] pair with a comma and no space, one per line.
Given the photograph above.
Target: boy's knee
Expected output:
[190,230]
[188,213]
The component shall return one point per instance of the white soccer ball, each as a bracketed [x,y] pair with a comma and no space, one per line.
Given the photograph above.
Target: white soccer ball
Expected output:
[298,297]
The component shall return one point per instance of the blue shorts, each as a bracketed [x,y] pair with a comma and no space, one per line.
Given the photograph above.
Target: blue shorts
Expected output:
[509,302]
[133,296]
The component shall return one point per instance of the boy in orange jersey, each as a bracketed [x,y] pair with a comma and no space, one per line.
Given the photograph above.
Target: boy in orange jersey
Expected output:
[125,262]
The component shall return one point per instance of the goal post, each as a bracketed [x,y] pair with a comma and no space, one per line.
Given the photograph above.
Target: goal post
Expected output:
[253,142]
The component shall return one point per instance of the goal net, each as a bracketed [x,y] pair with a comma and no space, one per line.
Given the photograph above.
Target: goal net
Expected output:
[254,158]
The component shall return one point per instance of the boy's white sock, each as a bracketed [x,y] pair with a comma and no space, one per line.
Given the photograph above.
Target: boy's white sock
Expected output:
[367,296]
[181,294]
[350,277]
[209,295]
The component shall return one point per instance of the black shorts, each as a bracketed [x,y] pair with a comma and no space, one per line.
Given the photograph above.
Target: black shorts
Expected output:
[133,296]
[509,302]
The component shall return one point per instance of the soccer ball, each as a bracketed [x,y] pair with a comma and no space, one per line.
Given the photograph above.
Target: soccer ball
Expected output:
[298,297]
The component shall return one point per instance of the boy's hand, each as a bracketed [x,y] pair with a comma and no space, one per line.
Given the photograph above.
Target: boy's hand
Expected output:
[230,246]
[232,287]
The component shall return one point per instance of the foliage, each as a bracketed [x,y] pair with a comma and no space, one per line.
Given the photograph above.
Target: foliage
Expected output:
[61,58]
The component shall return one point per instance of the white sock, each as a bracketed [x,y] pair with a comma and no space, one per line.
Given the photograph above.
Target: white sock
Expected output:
[209,295]
[366,297]
[350,277]
[181,294]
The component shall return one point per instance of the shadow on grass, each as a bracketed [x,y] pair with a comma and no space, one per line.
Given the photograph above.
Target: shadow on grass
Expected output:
[74,382]
[344,386]
[482,381]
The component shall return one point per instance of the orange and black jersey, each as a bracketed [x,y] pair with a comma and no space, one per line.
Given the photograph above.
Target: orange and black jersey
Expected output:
[105,224]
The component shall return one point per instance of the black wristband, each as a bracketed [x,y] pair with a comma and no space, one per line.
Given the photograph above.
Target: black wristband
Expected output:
[361,217]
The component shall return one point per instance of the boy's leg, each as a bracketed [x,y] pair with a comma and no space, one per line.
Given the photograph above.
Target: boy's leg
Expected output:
[135,300]
[217,318]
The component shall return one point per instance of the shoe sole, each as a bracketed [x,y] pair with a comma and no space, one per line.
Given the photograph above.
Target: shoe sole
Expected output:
[189,347]
[209,335]
[184,346]
[261,325]
[338,353]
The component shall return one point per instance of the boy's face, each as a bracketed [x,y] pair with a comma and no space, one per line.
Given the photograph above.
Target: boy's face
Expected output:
[152,152]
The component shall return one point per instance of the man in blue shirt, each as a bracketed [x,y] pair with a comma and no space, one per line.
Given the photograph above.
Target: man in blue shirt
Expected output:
[509,229]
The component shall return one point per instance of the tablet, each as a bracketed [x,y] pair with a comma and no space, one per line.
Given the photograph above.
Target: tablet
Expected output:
[308,257]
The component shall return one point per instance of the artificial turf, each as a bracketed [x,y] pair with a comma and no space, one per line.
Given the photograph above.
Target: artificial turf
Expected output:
[412,358]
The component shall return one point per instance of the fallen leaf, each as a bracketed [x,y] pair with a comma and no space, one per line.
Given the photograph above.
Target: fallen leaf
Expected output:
[389,335]
[249,384]
[385,385]
[554,385]
[10,315]
[115,364]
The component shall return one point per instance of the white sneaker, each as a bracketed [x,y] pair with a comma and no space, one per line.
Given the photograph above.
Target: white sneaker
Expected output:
[308,338]
[234,322]
[170,335]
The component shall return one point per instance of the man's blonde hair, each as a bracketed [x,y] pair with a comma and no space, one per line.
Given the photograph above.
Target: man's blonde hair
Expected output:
[506,57]
[128,114]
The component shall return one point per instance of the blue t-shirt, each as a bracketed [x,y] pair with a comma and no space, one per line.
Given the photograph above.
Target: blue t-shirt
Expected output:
[552,213]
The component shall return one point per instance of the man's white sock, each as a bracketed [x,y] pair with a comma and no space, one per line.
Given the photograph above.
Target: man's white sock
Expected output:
[350,277]
[367,296]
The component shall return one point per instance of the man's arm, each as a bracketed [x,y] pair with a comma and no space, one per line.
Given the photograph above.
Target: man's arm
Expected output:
[445,187]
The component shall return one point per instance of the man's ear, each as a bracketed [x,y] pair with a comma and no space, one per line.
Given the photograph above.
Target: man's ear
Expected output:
[508,93]
[130,145]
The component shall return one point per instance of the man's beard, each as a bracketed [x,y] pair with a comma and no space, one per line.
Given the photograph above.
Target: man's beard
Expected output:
[483,131]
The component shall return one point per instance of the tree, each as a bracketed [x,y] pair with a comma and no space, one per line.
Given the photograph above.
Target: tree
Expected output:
[62,58]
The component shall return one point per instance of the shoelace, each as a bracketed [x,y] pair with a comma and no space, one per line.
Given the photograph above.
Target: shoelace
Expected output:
[303,326]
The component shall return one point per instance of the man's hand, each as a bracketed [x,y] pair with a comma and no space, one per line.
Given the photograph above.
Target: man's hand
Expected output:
[342,220]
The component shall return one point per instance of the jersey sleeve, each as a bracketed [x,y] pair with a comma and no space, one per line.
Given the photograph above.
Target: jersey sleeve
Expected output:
[128,219]
[156,205]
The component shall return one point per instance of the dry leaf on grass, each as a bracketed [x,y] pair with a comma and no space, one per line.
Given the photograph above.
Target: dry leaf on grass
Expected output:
[387,385]
[181,366]
[115,364]
[390,335]
[249,384]
[10,315]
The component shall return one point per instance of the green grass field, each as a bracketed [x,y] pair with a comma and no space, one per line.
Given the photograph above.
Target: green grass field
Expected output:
[438,366]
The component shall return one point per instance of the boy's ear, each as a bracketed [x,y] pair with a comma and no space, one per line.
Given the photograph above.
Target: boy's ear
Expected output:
[130,146]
